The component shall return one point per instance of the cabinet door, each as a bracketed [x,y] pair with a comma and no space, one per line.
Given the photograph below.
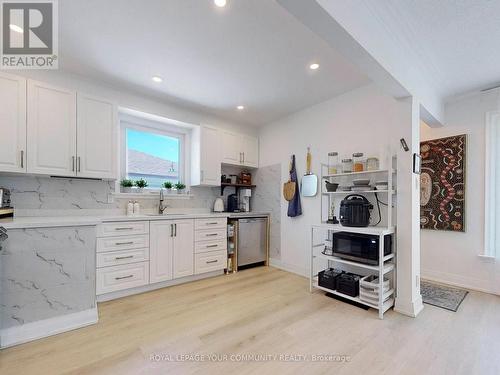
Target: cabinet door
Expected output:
[51,130]
[210,161]
[183,258]
[12,123]
[231,148]
[250,148]
[96,138]
[161,242]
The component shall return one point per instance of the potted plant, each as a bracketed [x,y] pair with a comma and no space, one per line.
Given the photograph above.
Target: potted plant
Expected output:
[180,187]
[126,185]
[168,185]
[141,184]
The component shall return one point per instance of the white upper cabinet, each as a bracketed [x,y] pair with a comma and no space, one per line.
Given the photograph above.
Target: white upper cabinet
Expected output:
[51,130]
[240,149]
[206,157]
[96,138]
[183,254]
[231,150]
[250,149]
[12,123]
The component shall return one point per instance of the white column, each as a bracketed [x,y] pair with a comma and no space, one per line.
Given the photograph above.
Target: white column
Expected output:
[408,300]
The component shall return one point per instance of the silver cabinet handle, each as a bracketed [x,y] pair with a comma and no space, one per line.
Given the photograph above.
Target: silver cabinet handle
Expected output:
[175,226]
[212,246]
[124,277]
[123,228]
[171,230]
[243,158]
[124,243]
[22,158]
[79,163]
[73,164]
[215,223]
[127,257]
[211,234]
[212,261]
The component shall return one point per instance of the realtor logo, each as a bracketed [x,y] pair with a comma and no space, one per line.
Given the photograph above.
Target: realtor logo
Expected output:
[29,34]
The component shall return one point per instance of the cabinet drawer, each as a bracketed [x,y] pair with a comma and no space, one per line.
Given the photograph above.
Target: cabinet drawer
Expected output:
[208,262]
[125,228]
[210,235]
[122,243]
[206,246]
[114,258]
[111,279]
[219,222]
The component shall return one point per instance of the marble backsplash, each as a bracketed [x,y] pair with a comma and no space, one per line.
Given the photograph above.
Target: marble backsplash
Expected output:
[267,197]
[40,196]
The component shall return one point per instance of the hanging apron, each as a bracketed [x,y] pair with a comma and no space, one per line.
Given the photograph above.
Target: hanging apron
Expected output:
[294,206]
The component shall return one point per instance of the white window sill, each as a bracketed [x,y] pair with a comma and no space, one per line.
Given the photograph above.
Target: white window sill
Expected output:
[487,258]
[152,195]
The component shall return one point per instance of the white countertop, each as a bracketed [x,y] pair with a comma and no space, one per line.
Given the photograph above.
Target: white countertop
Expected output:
[72,221]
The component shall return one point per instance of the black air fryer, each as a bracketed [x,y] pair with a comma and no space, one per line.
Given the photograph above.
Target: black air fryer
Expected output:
[355,211]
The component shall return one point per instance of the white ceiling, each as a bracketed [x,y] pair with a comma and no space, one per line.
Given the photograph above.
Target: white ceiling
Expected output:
[457,40]
[212,59]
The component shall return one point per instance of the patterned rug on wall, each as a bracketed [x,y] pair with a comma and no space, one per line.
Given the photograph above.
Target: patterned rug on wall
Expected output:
[442,184]
[442,296]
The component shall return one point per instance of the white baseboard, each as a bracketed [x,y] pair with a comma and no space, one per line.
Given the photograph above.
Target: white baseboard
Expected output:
[150,287]
[459,281]
[47,327]
[411,309]
[277,263]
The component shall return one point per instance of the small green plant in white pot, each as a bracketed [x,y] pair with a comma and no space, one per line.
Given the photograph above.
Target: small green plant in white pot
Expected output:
[180,187]
[141,184]
[126,185]
[168,186]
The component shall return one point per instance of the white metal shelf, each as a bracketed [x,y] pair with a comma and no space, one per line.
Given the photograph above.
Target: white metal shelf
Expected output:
[357,173]
[382,230]
[357,192]
[386,305]
[388,267]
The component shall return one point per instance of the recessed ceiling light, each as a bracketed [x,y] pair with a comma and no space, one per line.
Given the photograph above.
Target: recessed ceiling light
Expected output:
[157,79]
[16,28]
[240,107]
[220,3]
[314,66]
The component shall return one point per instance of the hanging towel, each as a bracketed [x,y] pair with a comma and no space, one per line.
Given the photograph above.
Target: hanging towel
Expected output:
[294,207]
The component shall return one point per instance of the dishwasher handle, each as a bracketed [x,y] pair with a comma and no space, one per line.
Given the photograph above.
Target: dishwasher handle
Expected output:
[253,220]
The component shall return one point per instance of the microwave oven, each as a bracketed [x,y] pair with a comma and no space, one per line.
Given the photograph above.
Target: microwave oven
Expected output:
[363,248]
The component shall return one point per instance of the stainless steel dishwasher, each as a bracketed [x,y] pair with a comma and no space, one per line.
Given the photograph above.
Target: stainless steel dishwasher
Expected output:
[252,241]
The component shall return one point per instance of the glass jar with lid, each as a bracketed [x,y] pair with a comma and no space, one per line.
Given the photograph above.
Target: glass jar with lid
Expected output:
[333,162]
[358,162]
[372,164]
[347,165]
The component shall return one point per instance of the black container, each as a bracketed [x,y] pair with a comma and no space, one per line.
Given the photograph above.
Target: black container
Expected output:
[232,203]
[328,278]
[348,283]
[355,211]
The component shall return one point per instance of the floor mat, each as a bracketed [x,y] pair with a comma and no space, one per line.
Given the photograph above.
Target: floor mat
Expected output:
[442,296]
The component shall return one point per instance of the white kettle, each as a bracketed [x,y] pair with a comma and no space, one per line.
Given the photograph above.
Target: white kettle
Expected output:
[219,205]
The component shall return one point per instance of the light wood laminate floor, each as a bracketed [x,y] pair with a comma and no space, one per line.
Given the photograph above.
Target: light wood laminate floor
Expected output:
[271,312]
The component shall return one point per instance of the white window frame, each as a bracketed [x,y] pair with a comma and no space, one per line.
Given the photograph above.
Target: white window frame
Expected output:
[492,182]
[162,128]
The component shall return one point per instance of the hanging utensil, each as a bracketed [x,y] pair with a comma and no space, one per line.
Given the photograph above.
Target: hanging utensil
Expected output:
[289,187]
[309,181]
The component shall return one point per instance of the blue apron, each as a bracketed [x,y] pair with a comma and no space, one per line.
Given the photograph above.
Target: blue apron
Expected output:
[294,206]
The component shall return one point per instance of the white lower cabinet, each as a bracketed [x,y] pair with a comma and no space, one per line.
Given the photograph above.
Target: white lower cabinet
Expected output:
[113,279]
[138,253]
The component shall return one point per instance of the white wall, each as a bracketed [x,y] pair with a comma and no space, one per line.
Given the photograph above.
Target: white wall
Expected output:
[453,257]
[133,99]
[364,120]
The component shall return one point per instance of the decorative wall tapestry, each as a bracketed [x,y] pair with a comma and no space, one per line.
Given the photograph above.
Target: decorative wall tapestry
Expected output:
[442,184]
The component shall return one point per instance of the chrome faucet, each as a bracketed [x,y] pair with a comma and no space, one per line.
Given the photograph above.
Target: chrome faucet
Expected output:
[161,207]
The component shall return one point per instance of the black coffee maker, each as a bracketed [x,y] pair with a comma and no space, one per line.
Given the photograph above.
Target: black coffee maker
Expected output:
[232,203]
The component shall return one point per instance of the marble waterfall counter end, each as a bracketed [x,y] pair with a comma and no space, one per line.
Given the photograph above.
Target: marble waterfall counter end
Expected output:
[46,274]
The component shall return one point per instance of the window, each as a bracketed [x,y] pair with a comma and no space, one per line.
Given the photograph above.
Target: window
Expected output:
[492,193]
[152,151]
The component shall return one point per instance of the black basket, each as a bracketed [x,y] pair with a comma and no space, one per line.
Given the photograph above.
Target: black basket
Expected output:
[348,283]
[328,278]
